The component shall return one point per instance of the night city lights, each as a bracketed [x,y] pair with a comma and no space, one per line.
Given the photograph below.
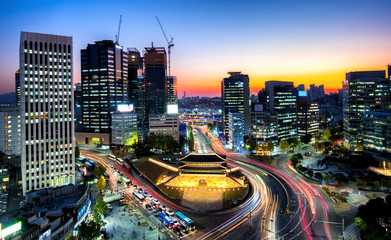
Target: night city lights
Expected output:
[195,120]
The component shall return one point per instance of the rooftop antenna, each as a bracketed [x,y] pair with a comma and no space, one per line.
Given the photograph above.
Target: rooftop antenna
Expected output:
[119,30]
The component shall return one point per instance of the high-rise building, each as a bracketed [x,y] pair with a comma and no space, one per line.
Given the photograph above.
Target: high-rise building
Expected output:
[364,91]
[301,87]
[263,124]
[124,130]
[104,81]
[235,96]
[136,88]
[281,98]
[10,131]
[155,65]
[171,90]
[17,87]
[78,101]
[307,117]
[165,125]
[235,127]
[315,92]
[46,89]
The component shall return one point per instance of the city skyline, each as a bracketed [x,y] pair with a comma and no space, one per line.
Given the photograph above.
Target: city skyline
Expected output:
[302,42]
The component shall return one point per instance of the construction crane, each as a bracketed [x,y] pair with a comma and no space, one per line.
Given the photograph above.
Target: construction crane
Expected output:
[119,29]
[170,45]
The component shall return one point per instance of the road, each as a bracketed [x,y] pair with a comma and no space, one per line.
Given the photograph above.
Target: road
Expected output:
[305,214]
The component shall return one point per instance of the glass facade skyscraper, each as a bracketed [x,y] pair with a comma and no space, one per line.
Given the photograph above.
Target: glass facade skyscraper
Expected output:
[104,81]
[235,96]
[46,90]
[364,91]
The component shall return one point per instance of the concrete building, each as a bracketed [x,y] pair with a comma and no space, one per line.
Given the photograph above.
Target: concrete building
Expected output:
[315,92]
[235,127]
[104,81]
[281,99]
[124,130]
[235,94]
[165,125]
[46,87]
[10,131]
[364,91]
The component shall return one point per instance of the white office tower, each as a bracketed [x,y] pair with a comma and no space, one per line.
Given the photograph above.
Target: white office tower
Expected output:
[46,86]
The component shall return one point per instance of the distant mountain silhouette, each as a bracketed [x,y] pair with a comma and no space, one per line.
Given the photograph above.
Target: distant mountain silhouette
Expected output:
[8,98]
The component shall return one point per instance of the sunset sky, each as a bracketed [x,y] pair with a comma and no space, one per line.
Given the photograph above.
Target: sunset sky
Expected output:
[301,41]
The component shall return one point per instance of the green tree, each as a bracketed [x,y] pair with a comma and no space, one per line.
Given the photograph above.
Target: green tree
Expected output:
[376,184]
[211,127]
[99,171]
[317,146]
[250,144]
[361,223]
[306,138]
[100,208]
[326,134]
[283,145]
[327,177]
[294,160]
[89,231]
[299,144]
[77,152]
[270,145]
[191,138]
[101,184]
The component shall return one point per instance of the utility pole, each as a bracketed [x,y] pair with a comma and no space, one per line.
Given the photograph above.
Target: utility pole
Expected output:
[249,222]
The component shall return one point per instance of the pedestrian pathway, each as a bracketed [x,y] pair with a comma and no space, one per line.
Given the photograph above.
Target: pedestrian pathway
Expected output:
[125,222]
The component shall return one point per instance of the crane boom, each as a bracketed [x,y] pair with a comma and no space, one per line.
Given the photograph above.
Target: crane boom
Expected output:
[119,30]
[169,43]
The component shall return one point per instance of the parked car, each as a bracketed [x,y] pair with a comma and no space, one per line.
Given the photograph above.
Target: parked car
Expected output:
[148,206]
[156,201]
[154,205]
[163,208]
[155,213]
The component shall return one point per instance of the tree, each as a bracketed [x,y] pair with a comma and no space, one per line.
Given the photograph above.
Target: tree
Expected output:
[191,138]
[99,171]
[294,160]
[101,184]
[283,145]
[100,208]
[376,184]
[299,144]
[250,144]
[317,146]
[270,145]
[306,138]
[211,127]
[326,134]
[89,231]
[77,152]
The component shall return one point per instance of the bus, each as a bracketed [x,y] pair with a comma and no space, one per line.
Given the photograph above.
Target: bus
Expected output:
[127,166]
[181,217]
[126,180]
[138,196]
[166,220]
[120,161]
[112,157]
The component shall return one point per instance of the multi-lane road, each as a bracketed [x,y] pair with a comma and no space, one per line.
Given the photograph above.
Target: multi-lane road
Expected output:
[280,206]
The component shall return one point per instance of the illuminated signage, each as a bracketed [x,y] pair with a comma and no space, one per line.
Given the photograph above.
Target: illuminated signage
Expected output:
[125,107]
[302,93]
[46,235]
[11,229]
[172,108]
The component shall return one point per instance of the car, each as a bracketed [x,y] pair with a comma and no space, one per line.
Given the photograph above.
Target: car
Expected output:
[177,231]
[155,213]
[140,190]
[135,186]
[170,212]
[154,205]
[163,208]
[175,223]
[19,193]
[109,207]
[150,196]
[184,229]
[148,206]
[159,209]
[156,201]
[387,191]
[145,192]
